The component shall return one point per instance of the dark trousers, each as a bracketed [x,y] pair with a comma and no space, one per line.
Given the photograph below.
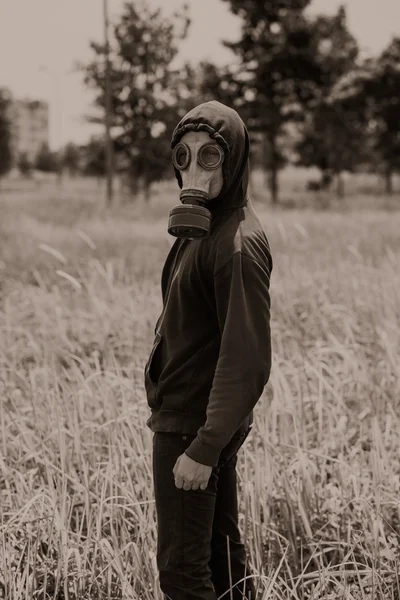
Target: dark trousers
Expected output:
[194,526]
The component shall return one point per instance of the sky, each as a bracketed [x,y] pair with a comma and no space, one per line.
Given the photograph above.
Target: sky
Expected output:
[41,40]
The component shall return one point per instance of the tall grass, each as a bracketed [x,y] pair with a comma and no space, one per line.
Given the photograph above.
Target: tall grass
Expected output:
[319,477]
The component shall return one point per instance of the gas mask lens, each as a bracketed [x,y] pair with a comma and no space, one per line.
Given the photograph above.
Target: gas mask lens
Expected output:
[181,156]
[210,156]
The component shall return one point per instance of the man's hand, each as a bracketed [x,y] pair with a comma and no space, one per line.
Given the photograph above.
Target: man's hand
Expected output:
[190,474]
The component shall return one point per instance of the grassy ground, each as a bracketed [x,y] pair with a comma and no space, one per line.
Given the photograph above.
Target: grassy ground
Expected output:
[319,476]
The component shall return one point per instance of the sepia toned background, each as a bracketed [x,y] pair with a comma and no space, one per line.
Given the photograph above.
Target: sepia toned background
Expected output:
[318,85]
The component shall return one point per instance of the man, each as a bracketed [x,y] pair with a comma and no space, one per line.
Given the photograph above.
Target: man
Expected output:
[210,361]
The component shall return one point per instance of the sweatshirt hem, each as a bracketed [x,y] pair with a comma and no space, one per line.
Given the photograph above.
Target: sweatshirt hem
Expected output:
[174,421]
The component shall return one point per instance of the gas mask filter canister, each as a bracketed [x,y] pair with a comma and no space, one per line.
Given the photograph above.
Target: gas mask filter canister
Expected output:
[192,219]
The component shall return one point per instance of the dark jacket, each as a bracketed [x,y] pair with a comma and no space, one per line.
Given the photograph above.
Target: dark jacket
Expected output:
[212,351]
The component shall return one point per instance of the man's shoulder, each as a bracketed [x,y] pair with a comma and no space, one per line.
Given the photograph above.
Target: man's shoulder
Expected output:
[241,233]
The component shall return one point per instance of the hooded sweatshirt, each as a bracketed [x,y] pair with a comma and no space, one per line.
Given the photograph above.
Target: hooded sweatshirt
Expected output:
[211,356]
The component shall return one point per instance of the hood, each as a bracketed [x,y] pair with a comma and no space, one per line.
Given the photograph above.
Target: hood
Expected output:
[225,126]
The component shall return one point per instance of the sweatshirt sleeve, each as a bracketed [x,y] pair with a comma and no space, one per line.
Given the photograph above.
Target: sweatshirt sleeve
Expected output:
[244,363]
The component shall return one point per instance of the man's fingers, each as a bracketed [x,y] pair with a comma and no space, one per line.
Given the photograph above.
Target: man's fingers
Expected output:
[201,486]
[187,485]
[179,482]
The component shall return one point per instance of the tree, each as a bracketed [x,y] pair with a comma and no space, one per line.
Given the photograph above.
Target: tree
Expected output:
[71,158]
[383,93]
[46,160]
[145,88]
[279,71]
[373,88]
[289,62]
[25,165]
[334,128]
[227,84]
[94,161]
[5,133]
[332,141]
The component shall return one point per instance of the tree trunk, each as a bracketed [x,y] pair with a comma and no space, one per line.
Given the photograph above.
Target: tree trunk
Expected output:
[134,185]
[273,184]
[146,191]
[339,185]
[271,159]
[388,180]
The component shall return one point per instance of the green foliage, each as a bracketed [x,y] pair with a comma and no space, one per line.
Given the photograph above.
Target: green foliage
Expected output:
[288,64]
[5,133]
[272,11]
[94,158]
[372,89]
[333,130]
[332,141]
[383,92]
[297,83]
[281,71]
[146,90]
[71,158]
[25,165]
[336,48]
[46,160]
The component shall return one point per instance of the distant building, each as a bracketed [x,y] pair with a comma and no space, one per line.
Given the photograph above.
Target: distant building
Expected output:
[29,127]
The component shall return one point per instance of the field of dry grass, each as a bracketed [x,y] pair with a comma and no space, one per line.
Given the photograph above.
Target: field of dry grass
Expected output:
[319,476]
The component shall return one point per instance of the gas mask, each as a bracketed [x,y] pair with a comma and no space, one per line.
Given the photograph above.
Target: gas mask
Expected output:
[199,160]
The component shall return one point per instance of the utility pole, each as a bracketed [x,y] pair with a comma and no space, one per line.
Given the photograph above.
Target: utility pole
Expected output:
[108,109]
[56,117]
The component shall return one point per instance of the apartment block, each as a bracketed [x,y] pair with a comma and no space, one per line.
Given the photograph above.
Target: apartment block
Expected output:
[29,127]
